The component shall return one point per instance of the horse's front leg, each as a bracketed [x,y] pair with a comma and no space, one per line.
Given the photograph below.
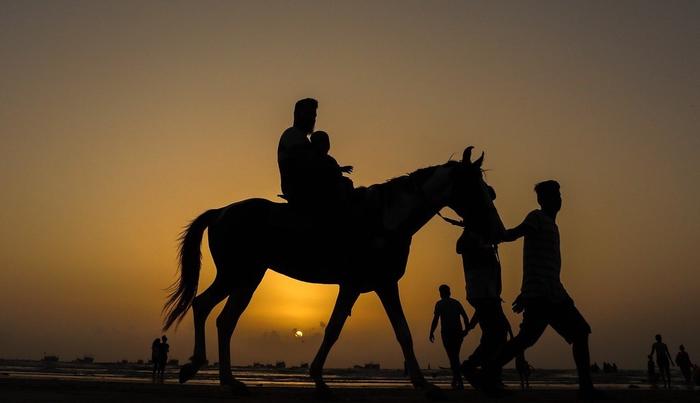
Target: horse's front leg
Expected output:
[389,295]
[343,306]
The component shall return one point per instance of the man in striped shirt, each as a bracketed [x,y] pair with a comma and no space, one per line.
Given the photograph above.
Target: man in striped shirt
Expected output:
[543,299]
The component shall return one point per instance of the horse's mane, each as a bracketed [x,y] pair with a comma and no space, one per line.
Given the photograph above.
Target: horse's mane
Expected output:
[411,179]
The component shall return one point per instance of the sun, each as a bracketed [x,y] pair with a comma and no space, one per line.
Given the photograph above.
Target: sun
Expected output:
[298,334]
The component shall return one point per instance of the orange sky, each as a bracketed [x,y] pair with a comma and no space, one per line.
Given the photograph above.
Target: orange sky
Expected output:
[120,122]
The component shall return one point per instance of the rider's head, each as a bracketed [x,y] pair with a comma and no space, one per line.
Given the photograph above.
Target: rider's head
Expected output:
[164,338]
[305,114]
[548,195]
[444,291]
[321,141]
[682,348]
[658,337]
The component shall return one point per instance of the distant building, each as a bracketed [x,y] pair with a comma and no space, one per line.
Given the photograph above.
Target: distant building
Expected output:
[85,360]
[280,364]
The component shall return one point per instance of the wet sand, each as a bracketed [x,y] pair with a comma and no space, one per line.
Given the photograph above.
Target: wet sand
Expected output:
[52,390]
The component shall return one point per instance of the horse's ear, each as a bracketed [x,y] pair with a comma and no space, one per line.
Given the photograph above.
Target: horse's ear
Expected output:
[467,155]
[479,161]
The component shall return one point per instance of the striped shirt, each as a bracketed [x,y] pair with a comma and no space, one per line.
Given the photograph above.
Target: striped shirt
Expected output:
[542,259]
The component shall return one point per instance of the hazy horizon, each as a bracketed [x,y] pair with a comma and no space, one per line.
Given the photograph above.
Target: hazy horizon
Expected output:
[122,121]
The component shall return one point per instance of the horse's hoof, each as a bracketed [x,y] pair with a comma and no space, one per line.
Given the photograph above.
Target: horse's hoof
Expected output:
[323,392]
[187,372]
[238,388]
[432,392]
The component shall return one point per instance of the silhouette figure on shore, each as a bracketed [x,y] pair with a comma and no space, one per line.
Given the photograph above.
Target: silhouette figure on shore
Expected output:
[684,364]
[482,275]
[163,357]
[663,360]
[543,299]
[651,372]
[248,237]
[524,370]
[155,357]
[450,313]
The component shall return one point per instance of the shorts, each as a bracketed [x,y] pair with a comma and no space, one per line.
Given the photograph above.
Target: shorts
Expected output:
[562,316]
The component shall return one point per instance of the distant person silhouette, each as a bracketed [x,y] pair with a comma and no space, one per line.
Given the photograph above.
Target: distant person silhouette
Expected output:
[523,368]
[543,299]
[651,371]
[482,275]
[163,357]
[683,362]
[155,357]
[450,313]
[663,359]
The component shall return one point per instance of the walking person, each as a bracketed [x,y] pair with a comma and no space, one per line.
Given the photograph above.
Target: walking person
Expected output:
[683,362]
[450,313]
[163,357]
[663,360]
[523,368]
[482,275]
[155,357]
[543,300]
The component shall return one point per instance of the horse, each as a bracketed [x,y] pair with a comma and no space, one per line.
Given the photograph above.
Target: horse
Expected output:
[250,236]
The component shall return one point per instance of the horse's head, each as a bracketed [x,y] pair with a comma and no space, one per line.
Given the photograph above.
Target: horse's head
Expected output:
[472,198]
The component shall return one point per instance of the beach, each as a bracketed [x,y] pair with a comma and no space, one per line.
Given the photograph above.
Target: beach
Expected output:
[58,390]
[37,381]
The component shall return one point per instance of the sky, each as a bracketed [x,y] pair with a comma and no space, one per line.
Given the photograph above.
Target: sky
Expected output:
[122,121]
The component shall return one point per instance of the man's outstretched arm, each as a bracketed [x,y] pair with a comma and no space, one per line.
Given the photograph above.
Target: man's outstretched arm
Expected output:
[512,234]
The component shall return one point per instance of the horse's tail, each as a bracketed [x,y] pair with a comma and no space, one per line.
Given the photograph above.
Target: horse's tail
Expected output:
[182,292]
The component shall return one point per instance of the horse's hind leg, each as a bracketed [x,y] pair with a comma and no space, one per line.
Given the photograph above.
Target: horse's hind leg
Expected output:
[201,308]
[241,293]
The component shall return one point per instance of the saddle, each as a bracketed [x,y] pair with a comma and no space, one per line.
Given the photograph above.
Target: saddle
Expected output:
[356,219]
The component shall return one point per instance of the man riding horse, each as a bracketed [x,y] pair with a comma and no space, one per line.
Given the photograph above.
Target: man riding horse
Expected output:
[249,237]
[305,185]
